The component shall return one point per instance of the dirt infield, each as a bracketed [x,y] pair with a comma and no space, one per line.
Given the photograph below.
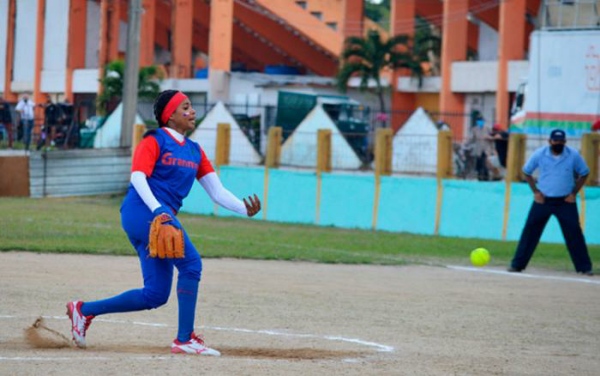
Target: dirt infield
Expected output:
[287,318]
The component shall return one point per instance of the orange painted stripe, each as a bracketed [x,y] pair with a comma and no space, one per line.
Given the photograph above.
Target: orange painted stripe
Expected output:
[147,35]
[181,38]
[114,21]
[39,59]
[103,45]
[10,51]
[75,43]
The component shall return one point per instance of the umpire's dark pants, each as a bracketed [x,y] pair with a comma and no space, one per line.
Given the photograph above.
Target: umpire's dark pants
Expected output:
[568,218]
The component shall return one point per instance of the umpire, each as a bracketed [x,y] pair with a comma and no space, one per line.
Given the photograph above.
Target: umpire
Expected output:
[562,173]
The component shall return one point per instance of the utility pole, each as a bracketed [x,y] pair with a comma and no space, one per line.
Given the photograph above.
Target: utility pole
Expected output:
[132,62]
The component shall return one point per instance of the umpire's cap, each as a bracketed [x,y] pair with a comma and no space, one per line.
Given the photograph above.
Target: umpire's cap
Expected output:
[558,135]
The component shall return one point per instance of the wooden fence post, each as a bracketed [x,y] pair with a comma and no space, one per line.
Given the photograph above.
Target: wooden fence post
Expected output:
[590,144]
[516,157]
[444,155]
[323,150]
[514,164]
[272,160]
[383,166]
[223,144]
[273,157]
[323,164]
[383,152]
[444,170]
[138,134]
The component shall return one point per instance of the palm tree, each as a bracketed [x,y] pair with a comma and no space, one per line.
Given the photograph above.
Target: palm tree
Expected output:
[114,79]
[427,46]
[367,57]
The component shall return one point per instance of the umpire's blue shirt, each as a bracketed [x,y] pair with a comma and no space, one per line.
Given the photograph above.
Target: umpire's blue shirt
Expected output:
[557,172]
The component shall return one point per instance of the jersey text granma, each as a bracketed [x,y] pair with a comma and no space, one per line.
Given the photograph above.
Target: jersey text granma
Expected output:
[168,160]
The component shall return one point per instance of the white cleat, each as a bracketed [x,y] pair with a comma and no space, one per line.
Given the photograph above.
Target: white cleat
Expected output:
[194,346]
[79,322]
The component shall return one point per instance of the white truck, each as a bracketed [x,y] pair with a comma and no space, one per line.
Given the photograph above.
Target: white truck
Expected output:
[562,89]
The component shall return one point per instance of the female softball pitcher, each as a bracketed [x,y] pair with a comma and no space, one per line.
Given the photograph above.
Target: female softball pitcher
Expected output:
[164,167]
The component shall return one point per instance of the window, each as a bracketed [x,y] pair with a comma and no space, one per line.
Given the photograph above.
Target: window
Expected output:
[332,25]
[319,15]
[301,4]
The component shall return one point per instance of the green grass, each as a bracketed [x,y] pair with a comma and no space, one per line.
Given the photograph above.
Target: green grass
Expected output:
[92,225]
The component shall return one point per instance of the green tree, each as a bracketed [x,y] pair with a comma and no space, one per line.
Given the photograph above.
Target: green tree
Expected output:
[367,57]
[114,80]
[378,11]
[427,46]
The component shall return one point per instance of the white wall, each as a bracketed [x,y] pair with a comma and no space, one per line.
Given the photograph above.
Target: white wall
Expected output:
[565,72]
[85,81]
[517,73]
[122,36]
[238,85]
[488,43]
[25,36]
[92,34]
[482,76]
[56,31]
[187,85]
[411,85]
[474,76]
[3,30]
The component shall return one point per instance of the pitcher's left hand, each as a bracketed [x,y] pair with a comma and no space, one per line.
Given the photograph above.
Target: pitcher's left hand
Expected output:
[253,206]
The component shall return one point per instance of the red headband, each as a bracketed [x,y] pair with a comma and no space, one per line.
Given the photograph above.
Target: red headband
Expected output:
[174,102]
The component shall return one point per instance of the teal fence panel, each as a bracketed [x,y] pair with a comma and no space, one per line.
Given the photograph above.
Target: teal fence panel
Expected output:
[521,199]
[407,205]
[347,200]
[198,202]
[472,209]
[469,208]
[292,196]
[592,215]
[242,182]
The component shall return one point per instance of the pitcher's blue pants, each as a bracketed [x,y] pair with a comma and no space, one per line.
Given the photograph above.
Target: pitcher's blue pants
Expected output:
[157,274]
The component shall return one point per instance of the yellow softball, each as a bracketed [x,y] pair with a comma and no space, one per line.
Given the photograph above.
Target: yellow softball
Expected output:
[480,257]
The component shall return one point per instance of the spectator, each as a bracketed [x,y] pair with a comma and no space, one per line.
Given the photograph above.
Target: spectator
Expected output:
[596,126]
[562,173]
[497,159]
[6,121]
[482,147]
[67,112]
[442,125]
[500,137]
[25,108]
[52,119]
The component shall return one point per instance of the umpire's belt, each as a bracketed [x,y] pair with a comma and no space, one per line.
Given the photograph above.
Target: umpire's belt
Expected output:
[555,199]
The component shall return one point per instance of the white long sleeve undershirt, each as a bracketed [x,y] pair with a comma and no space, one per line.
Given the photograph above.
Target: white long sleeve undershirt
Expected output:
[220,195]
[210,182]
[139,182]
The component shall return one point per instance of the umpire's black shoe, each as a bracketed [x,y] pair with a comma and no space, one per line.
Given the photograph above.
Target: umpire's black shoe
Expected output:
[589,273]
[514,270]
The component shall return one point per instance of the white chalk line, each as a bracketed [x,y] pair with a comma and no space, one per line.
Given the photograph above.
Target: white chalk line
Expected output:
[589,280]
[378,347]
[55,358]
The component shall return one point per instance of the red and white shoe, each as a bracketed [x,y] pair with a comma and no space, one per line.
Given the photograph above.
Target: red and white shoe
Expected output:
[194,346]
[79,322]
